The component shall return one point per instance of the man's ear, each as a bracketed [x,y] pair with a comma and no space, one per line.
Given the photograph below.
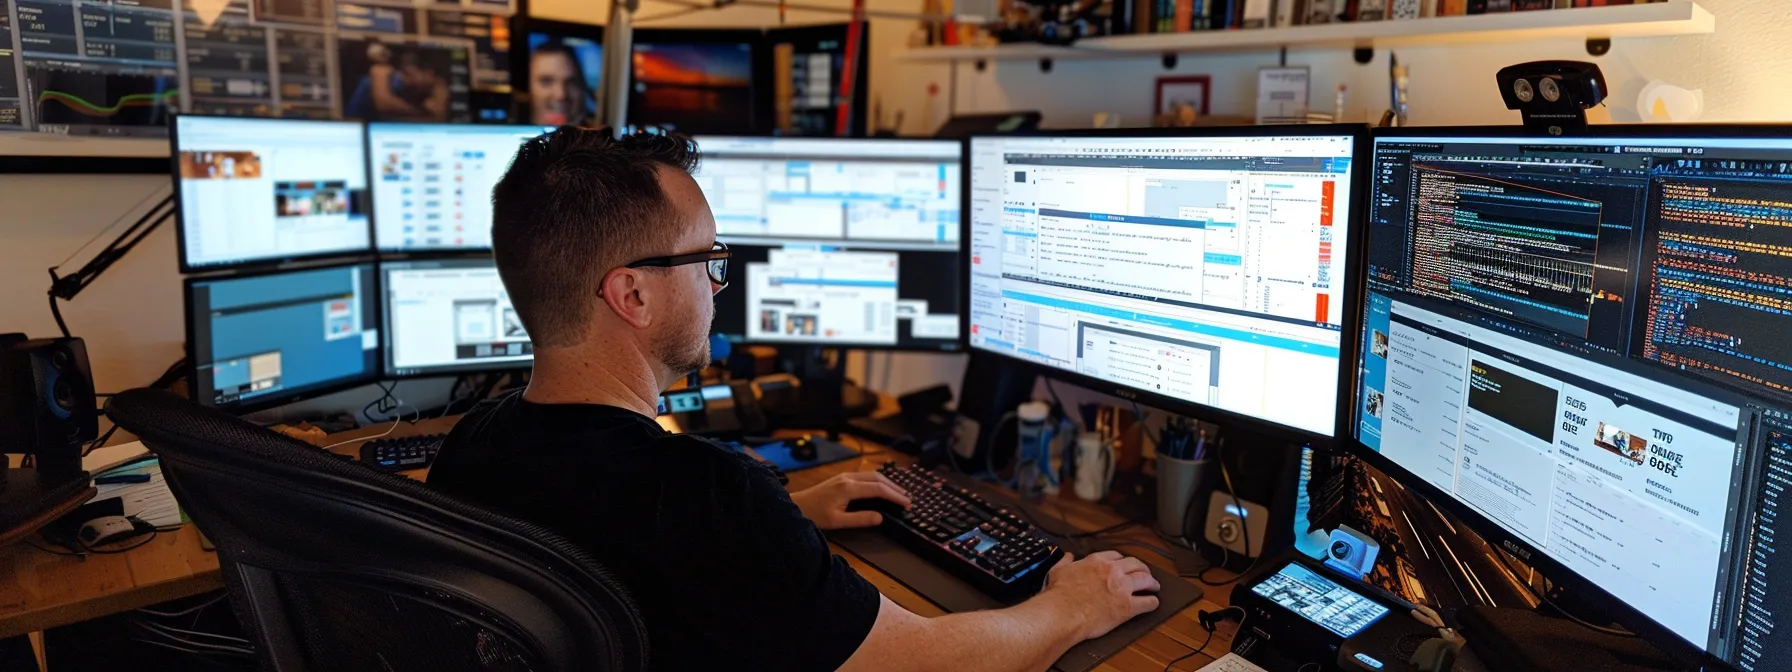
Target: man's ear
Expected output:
[624,291]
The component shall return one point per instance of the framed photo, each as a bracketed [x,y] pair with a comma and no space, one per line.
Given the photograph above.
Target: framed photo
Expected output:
[1192,89]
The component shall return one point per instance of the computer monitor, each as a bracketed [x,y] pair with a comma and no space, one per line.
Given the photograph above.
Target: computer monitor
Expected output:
[1578,345]
[699,81]
[450,316]
[432,183]
[1204,271]
[837,242]
[262,340]
[268,190]
[563,73]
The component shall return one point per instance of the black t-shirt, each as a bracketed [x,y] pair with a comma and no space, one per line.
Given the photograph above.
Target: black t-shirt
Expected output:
[725,569]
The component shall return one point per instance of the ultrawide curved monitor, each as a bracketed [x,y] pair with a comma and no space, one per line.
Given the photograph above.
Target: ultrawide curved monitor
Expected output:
[1579,346]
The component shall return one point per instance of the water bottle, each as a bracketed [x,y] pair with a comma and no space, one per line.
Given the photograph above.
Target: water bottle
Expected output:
[1034,453]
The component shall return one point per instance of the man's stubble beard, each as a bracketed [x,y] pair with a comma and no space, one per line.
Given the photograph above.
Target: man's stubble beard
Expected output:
[686,349]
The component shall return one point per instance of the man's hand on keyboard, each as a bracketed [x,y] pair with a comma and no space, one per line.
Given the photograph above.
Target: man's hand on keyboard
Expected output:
[1100,588]
[825,504]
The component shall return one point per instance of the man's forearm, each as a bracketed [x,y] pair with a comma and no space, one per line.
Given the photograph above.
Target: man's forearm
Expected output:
[1025,638]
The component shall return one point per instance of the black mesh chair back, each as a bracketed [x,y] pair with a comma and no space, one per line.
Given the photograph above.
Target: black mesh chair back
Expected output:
[331,565]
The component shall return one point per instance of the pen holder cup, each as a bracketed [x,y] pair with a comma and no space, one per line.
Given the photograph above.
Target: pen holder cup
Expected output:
[1179,482]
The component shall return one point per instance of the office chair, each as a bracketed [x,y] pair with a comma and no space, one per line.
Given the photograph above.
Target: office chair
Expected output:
[331,565]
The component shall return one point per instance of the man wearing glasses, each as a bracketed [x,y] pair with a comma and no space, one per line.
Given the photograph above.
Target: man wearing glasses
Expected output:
[609,253]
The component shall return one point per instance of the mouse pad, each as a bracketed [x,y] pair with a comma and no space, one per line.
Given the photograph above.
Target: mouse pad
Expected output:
[826,452]
[954,595]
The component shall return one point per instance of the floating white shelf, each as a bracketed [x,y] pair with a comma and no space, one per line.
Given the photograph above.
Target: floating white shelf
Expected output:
[1677,17]
[1006,52]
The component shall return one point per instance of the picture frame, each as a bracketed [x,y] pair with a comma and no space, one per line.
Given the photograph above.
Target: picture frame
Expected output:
[1183,88]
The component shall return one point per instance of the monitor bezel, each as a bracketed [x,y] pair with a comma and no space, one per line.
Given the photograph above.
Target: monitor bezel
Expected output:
[1349,329]
[283,398]
[955,345]
[373,226]
[387,347]
[180,213]
[1491,532]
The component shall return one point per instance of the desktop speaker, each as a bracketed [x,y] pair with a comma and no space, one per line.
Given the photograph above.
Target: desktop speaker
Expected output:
[47,406]
[1251,514]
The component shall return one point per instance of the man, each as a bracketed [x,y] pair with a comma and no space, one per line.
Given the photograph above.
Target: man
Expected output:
[609,253]
[558,93]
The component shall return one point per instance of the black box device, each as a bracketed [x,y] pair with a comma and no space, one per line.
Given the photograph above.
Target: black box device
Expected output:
[1302,614]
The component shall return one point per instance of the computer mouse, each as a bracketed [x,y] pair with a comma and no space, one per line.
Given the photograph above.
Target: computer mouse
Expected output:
[107,530]
[803,449]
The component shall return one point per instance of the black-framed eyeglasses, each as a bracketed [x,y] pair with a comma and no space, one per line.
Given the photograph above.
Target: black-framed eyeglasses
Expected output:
[716,258]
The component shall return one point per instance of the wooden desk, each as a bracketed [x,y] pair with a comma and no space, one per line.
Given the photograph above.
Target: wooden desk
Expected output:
[39,590]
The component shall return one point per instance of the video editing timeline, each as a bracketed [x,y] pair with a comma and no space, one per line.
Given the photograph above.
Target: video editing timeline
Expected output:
[432,183]
[267,189]
[1320,600]
[99,67]
[832,189]
[227,62]
[1623,444]
[450,315]
[283,333]
[1206,269]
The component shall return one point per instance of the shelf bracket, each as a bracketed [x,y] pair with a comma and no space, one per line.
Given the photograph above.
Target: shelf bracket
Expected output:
[1364,55]
[1599,46]
[1170,59]
[980,64]
[1045,65]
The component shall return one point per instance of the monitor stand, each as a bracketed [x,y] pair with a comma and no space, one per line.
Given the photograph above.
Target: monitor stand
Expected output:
[1540,640]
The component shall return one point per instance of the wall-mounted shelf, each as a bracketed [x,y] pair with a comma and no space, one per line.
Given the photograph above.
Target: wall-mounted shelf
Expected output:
[1006,52]
[1677,17]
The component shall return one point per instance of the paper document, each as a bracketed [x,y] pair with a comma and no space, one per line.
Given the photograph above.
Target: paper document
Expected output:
[150,502]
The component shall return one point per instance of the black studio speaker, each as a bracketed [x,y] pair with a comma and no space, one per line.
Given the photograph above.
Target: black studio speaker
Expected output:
[47,404]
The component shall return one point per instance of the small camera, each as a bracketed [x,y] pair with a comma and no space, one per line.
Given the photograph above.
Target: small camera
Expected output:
[1351,552]
[1553,96]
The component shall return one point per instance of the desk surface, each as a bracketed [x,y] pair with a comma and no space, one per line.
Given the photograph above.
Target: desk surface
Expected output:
[40,590]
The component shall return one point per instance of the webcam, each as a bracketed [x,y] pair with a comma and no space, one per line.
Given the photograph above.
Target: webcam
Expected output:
[1553,96]
[1351,552]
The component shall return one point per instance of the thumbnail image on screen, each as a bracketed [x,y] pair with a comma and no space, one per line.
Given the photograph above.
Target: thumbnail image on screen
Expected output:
[694,87]
[837,241]
[1583,341]
[563,81]
[277,337]
[1206,269]
[269,189]
[450,315]
[1320,600]
[432,183]
[394,78]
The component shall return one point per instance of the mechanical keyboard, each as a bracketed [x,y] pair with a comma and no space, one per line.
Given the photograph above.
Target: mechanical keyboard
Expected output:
[989,547]
[410,452]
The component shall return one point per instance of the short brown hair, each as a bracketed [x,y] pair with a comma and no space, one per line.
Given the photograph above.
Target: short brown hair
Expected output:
[576,203]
